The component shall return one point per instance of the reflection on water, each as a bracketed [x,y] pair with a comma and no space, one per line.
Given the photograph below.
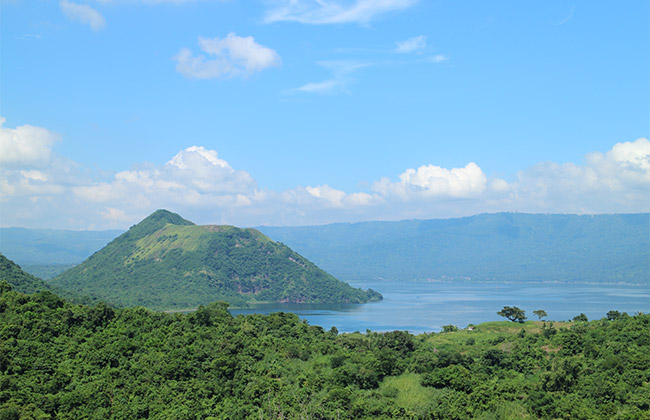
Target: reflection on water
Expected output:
[425,307]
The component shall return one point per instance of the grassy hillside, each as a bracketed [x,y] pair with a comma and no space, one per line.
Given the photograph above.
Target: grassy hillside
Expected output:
[503,246]
[64,361]
[167,262]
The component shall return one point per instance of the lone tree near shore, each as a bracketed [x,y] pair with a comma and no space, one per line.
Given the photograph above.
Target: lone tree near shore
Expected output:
[540,313]
[513,313]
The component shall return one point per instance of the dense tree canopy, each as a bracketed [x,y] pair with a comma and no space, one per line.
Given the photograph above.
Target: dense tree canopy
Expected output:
[65,361]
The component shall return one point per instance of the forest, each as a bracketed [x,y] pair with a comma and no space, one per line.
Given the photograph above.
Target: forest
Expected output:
[61,360]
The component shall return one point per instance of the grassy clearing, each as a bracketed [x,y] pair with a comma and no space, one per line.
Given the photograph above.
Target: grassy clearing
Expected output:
[487,332]
[410,393]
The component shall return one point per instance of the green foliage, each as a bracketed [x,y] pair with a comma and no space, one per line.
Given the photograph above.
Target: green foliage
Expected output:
[580,318]
[18,279]
[166,262]
[60,360]
[540,313]
[21,281]
[513,313]
[613,315]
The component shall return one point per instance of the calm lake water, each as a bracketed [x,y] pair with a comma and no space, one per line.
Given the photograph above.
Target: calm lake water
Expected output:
[420,307]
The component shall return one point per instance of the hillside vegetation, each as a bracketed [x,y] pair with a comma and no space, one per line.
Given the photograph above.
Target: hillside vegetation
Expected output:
[502,246]
[167,262]
[64,361]
[24,282]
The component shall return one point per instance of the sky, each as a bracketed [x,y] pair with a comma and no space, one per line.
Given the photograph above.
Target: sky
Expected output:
[305,112]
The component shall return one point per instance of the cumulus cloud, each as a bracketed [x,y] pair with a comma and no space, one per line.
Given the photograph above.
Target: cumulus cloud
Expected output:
[434,181]
[40,189]
[232,56]
[415,44]
[25,146]
[195,175]
[616,181]
[331,11]
[84,14]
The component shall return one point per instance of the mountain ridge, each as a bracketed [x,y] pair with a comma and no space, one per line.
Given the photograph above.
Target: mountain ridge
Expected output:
[489,246]
[542,247]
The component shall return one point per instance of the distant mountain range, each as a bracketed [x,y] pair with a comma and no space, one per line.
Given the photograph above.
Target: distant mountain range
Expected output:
[46,253]
[501,246]
[52,246]
[167,262]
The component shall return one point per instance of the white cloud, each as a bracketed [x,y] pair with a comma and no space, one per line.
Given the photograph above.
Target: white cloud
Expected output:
[84,14]
[194,175]
[415,44]
[115,214]
[179,160]
[616,181]
[332,196]
[628,161]
[25,146]
[40,189]
[434,181]
[499,185]
[330,11]
[232,56]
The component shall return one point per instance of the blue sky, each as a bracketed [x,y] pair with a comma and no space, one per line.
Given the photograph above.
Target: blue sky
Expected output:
[304,112]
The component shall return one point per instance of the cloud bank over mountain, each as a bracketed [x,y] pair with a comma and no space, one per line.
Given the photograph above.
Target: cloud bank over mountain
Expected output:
[39,188]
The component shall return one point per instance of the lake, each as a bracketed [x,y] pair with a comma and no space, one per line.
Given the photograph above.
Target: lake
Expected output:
[420,307]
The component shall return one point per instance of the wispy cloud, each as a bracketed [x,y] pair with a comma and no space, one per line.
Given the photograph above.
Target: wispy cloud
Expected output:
[438,58]
[341,71]
[84,14]
[566,19]
[327,86]
[232,56]
[332,11]
[415,44]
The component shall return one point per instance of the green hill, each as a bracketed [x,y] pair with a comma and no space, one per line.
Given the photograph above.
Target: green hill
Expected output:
[167,262]
[24,282]
[485,247]
[18,279]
